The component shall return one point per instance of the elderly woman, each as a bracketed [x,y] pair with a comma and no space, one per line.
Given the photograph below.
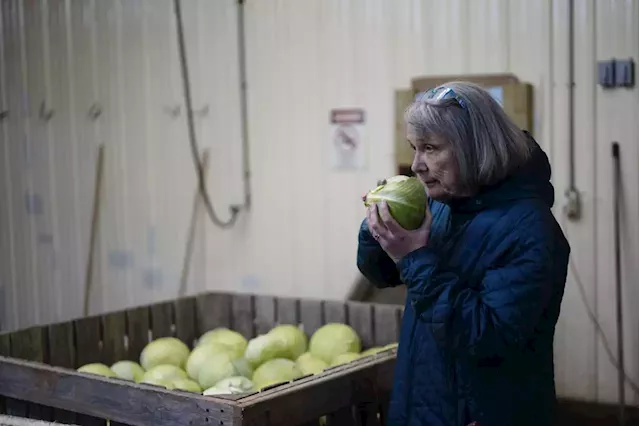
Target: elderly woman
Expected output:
[485,273]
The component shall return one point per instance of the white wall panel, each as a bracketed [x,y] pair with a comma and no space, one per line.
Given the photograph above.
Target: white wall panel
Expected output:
[304,58]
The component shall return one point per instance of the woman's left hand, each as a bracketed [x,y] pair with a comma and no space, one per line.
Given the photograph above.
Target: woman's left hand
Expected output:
[396,241]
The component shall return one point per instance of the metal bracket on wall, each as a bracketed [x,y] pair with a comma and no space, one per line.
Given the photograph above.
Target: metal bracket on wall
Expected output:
[616,73]
[607,73]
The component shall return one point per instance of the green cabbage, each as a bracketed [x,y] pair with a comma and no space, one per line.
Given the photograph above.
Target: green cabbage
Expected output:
[128,370]
[295,339]
[406,197]
[274,371]
[234,340]
[165,350]
[334,339]
[231,385]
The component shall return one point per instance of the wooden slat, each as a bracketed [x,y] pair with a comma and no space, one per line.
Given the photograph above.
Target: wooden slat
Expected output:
[88,340]
[114,330]
[288,311]
[116,400]
[61,346]
[265,314]
[87,420]
[386,324]
[185,313]
[62,354]
[342,417]
[361,319]
[28,344]
[367,415]
[5,344]
[162,320]
[311,423]
[137,331]
[335,311]
[212,310]
[40,412]
[311,315]
[242,309]
[384,397]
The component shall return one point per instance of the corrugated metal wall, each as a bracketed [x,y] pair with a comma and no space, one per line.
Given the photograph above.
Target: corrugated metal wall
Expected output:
[70,58]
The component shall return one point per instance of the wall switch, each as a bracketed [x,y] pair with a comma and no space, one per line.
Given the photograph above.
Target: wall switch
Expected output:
[625,73]
[607,73]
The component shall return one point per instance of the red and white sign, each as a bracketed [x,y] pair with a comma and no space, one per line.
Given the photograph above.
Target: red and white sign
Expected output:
[347,131]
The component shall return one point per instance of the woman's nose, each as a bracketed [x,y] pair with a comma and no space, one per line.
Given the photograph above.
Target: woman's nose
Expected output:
[418,165]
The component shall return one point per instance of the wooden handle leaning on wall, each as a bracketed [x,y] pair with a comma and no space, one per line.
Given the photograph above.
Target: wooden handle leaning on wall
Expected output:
[95,218]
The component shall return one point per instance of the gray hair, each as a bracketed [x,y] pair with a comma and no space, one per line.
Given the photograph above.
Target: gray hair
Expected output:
[488,145]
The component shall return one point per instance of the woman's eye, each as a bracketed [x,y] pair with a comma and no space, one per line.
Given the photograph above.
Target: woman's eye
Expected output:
[428,148]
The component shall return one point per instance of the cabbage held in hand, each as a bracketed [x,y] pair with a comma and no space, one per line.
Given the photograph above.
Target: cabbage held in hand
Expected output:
[406,197]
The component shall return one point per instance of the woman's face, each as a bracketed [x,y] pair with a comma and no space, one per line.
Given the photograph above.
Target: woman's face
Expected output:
[435,164]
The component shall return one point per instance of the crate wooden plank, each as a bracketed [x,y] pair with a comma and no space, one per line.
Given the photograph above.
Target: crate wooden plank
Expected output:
[243,314]
[386,324]
[185,313]
[162,320]
[137,331]
[28,344]
[311,315]
[62,354]
[384,398]
[342,417]
[313,397]
[212,310]
[40,412]
[367,415]
[288,311]
[117,400]
[361,319]
[265,314]
[88,338]
[335,311]
[87,420]
[113,344]
[5,344]
[61,345]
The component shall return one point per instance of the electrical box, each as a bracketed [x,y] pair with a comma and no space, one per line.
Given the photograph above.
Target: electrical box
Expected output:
[515,97]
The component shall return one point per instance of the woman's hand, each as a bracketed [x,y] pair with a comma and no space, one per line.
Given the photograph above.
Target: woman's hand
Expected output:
[396,241]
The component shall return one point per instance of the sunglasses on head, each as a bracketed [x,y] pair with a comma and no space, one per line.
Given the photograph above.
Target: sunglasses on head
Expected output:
[441,93]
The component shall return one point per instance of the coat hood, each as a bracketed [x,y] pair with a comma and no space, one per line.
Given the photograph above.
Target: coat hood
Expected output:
[530,181]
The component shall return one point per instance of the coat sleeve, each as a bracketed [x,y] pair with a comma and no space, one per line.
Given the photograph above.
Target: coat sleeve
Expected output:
[373,262]
[500,314]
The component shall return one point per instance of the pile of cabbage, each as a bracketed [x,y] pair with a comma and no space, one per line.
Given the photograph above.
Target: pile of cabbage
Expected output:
[223,361]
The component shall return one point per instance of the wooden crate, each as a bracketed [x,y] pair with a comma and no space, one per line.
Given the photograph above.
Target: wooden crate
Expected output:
[38,378]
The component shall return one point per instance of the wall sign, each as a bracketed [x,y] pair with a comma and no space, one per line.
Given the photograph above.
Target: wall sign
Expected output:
[347,139]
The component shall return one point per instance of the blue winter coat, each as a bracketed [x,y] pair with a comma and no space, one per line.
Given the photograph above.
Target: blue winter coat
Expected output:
[483,299]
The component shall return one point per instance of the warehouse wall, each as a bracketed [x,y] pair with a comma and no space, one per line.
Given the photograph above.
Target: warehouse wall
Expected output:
[304,58]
